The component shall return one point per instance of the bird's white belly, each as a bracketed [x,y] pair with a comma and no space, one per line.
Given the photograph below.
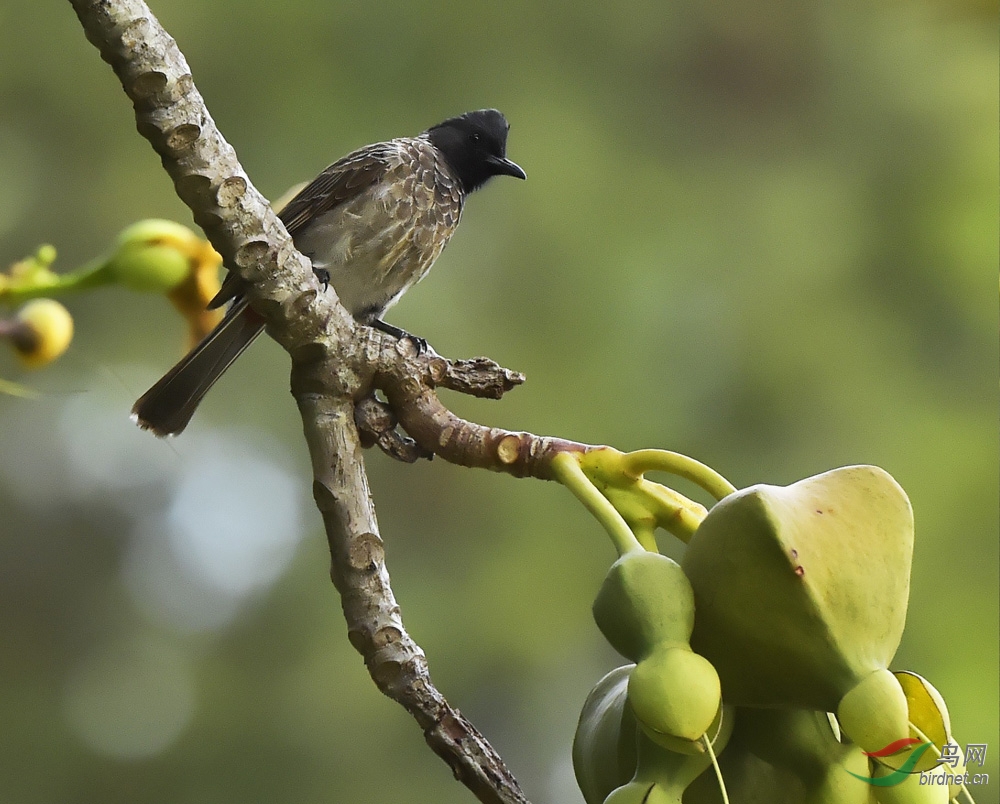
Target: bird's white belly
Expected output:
[373,258]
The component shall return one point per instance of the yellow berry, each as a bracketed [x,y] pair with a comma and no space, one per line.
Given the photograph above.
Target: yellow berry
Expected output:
[45,333]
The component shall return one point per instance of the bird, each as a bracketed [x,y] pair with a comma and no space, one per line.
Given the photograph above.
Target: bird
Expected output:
[373,223]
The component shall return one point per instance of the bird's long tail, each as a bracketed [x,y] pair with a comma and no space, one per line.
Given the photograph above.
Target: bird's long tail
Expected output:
[168,406]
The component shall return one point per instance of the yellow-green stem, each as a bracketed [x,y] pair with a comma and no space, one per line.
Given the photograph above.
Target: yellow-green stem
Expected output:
[674,512]
[661,460]
[47,283]
[569,473]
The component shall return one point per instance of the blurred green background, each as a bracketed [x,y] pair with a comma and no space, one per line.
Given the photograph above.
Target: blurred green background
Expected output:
[761,233]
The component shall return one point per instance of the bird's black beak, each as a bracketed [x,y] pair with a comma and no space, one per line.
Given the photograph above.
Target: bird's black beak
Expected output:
[504,167]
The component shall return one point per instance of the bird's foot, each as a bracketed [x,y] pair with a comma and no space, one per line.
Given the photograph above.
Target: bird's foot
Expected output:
[323,276]
[419,343]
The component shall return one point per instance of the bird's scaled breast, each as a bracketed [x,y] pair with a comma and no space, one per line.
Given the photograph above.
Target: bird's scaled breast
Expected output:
[380,243]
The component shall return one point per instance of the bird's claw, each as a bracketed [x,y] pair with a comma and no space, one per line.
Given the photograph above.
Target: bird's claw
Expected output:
[420,344]
[323,276]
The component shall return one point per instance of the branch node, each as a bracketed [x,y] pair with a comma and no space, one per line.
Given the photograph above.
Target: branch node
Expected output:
[195,190]
[509,449]
[377,423]
[181,137]
[147,85]
[365,553]
[231,191]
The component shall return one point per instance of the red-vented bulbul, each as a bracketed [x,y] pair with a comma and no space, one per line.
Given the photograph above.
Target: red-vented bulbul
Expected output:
[372,223]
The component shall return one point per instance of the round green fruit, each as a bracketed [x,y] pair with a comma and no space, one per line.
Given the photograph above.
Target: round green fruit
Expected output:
[645,601]
[675,695]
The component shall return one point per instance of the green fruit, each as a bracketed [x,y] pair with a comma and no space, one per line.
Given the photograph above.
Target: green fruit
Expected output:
[680,745]
[662,776]
[912,792]
[804,744]
[801,591]
[152,256]
[642,793]
[149,268]
[874,713]
[645,601]
[604,747]
[675,693]
[749,779]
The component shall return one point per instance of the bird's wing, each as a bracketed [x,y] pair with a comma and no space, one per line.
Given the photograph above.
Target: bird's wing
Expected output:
[342,181]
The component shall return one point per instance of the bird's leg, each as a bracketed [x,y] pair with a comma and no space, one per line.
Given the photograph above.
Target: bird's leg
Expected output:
[400,334]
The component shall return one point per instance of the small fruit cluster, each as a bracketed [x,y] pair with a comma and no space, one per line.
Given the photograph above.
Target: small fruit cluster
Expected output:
[151,256]
[767,645]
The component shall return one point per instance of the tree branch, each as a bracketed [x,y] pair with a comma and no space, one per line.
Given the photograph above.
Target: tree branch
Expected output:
[375,628]
[207,176]
[335,362]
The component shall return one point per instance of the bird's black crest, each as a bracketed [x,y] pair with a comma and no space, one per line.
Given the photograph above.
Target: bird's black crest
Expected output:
[475,147]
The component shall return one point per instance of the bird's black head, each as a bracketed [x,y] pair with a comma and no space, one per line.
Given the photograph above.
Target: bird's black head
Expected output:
[475,146]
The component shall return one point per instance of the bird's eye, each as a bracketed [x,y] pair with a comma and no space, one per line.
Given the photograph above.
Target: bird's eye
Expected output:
[475,137]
